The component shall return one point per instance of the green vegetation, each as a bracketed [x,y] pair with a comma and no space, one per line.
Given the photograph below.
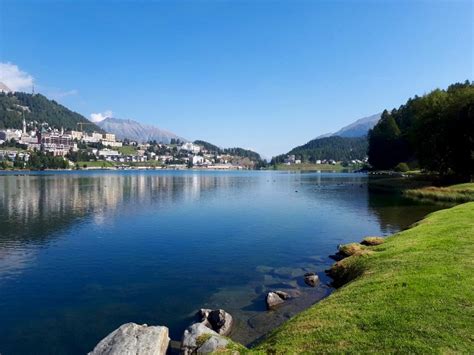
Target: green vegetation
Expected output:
[239,152]
[38,108]
[336,148]
[412,294]
[351,249]
[456,193]
[127,150]
[310,167]
[434,132]
[95,164]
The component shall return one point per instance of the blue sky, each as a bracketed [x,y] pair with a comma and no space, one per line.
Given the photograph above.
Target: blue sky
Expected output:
[266,75]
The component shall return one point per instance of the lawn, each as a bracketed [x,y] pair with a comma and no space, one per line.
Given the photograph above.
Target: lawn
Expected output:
[127,150]
[414,294]
[96,164]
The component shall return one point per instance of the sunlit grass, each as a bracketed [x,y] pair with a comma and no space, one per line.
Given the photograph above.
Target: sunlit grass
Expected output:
[413,294]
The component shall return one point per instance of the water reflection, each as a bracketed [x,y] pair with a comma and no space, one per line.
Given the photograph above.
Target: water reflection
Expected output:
[81,253]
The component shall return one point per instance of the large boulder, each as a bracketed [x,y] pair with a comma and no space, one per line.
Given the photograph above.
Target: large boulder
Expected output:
[199,338]
[134,339]
[311,279]
[275,298]
[218,320]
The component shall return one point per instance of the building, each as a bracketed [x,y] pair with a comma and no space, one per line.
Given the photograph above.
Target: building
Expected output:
[109,137]
[108,153]
[197,160]
[190,147]
[113,144]
[56,143]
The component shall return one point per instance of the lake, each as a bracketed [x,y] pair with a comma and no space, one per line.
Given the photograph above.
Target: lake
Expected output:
[84,252]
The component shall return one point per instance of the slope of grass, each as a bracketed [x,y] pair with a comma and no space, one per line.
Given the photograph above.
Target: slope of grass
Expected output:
[413,294]
[96,164]
[455,193]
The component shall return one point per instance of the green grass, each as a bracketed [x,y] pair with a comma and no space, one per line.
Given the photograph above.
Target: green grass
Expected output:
[96,164]
[455,193]
[413,294]
[127,150]
[310,167]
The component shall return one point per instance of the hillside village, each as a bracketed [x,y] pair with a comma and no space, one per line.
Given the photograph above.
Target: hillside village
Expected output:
[38,133]
[90,150]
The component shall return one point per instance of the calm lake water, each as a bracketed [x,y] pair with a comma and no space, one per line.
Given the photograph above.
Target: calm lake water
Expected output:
[84,252]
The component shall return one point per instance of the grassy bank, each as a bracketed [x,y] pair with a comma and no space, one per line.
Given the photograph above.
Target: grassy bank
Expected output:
[455,193]
[414,293]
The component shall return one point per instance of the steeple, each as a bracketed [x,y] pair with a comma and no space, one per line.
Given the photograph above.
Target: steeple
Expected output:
[24,124]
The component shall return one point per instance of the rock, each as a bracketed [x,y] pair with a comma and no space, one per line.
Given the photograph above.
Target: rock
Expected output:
[283,295]
[199,338]
[274,299]
[350,249]
[371,241]
[134,339]
[311,279]
[193,337]
[213,344]
[218,320]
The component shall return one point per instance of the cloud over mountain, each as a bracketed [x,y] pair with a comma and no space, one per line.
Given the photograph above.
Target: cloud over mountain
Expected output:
[100,116]
[14,78]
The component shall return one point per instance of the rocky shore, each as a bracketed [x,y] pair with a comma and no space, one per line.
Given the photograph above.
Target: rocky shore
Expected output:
[212,327]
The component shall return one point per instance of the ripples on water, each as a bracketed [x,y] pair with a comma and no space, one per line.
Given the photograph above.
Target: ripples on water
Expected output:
[82,253]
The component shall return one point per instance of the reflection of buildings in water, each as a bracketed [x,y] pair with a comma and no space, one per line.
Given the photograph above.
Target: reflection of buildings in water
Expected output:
[34,208]
[29,198]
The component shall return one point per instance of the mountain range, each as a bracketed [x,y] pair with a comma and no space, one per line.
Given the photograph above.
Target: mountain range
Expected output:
[136,131]
[358,128]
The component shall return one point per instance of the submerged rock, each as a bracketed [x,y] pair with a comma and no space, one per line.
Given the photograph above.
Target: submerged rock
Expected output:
[134,339]
[218,320]
[371,241]
[311,279]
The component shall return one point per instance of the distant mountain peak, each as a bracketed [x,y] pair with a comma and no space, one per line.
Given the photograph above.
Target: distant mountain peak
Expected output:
[357,128]
[136,131]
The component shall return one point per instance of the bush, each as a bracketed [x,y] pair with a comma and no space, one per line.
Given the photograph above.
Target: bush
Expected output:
[402,167]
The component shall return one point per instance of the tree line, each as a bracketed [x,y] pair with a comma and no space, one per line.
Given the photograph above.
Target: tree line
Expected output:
[16,106]
[336,148]
[434,132]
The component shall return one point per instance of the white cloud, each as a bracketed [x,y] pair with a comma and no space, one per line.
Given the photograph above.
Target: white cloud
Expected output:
[100,116]
[14,78]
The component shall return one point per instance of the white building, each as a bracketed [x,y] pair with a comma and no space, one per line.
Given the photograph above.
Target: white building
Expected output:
[197,160]
[108,153]
[190,147]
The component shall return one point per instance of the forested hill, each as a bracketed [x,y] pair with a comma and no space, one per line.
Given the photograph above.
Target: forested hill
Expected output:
[434,132]
[40,109]
[239,152]
[336,148]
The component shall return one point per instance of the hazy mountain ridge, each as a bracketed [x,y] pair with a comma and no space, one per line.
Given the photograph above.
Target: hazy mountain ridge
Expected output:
[136,131]
[357,128]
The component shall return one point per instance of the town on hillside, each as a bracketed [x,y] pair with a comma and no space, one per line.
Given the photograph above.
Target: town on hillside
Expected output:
[78,149]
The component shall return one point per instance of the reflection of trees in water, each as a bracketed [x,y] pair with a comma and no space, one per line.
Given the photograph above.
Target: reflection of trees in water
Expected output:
[395,212]
[32,207]
[35,208]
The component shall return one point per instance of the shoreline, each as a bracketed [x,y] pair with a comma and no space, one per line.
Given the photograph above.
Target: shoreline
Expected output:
[354,272]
